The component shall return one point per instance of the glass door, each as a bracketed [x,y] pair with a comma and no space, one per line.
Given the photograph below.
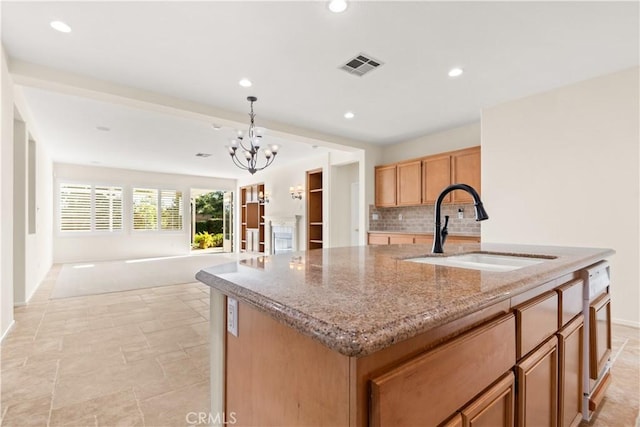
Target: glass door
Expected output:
[227,221]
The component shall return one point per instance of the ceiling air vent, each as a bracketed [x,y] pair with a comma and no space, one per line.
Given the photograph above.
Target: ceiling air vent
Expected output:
[361,65]
[203,154]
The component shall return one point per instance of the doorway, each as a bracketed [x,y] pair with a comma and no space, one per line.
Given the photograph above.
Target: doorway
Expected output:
[210,211]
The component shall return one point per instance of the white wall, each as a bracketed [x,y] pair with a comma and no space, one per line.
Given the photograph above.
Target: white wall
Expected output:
[129,243]
[448,140]
[6,197]
[277,181]
[561,168]
[342,176]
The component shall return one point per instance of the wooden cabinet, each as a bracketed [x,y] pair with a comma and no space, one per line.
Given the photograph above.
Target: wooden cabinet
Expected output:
[537,377]
[409,188]
[536,320]
[569,301]
[494,407]
[408,238]
[315,223]
[386,185]
[600,334]
[445,378]
[570,341]
[251,219]
[420,181]
[436,176]
[465,169]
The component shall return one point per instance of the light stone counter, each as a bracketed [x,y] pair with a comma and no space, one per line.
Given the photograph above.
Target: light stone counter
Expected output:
[359,300]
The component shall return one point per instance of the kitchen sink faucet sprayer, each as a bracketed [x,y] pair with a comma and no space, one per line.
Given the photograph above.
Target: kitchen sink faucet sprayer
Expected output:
[439,236]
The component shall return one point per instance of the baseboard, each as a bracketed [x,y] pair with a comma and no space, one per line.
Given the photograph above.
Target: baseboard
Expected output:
[19,304]
[626,323]
[13,322]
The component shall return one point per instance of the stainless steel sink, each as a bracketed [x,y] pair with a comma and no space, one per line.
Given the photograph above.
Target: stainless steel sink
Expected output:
[483,261]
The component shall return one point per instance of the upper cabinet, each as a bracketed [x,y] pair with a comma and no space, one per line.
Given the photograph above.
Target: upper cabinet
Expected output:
[436,176]
[465,169]
[409,175]
[421,181]
[386,185]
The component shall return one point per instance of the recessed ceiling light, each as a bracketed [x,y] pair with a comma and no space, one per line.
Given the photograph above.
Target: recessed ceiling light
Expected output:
[203,154]
[337,6]
[245,83]
[103,128]
[349,115]
[216,126]
[60,26]
[455,72]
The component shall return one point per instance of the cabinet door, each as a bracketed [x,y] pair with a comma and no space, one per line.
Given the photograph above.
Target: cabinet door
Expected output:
[466,170]
[378,239]
[494,407]
[385,185]
[538,387]
[600,334]
[409,183]
[570,340]
[401,239]
[436,176]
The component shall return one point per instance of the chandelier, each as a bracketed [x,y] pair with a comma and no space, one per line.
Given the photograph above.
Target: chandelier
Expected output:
[247,157]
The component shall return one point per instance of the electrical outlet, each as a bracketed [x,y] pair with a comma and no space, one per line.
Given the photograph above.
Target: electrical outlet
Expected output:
[374,216]
[399,217]
[460,213]
[232,316]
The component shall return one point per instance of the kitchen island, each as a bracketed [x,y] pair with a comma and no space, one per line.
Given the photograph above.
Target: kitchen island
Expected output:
[359,336]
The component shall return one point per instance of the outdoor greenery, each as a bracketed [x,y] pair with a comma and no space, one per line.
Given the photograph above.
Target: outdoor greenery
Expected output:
[211,226]
[210,205]
[205,240]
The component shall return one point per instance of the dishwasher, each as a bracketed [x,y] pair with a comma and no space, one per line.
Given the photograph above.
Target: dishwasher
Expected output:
[597,342]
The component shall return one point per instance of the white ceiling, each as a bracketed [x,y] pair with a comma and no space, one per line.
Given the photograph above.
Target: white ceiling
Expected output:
[198,51]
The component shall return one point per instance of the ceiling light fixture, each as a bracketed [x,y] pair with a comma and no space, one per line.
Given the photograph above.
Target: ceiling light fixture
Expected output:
[349,115]
[245,83]
[60,26]
[455,72]
[250,151]
[337,6]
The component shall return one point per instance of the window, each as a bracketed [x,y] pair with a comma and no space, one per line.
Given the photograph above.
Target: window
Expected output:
[171,208]
[108,208]
[157,209]
[84,207]
[145,209]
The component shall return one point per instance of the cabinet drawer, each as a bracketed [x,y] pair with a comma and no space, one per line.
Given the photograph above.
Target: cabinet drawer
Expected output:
[424,240]
[397,240]
[569,301]
[378,239]
[536,320]
[444,379]
[494,407]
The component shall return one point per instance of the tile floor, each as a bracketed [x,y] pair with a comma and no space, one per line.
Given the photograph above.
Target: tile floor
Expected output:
[140,358]
[134,358]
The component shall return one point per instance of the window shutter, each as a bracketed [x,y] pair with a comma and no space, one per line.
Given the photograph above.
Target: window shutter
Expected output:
[145,209]
[108,208]
[171,208]
[75,207]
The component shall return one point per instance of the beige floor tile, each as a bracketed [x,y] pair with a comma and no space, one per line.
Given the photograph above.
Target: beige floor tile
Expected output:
[76,388]
[135,352]
[115,409]
[173,408]
[31,412]
[28,382]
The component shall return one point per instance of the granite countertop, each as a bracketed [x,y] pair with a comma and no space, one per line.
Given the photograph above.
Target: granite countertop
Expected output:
[358,300]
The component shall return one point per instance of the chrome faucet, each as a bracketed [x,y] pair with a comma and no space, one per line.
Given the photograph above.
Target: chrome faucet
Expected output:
[440,236]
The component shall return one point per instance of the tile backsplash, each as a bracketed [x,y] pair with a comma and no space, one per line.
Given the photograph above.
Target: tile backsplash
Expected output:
[420,219]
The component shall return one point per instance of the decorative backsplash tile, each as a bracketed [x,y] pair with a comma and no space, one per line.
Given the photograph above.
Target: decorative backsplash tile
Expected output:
[420,219]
